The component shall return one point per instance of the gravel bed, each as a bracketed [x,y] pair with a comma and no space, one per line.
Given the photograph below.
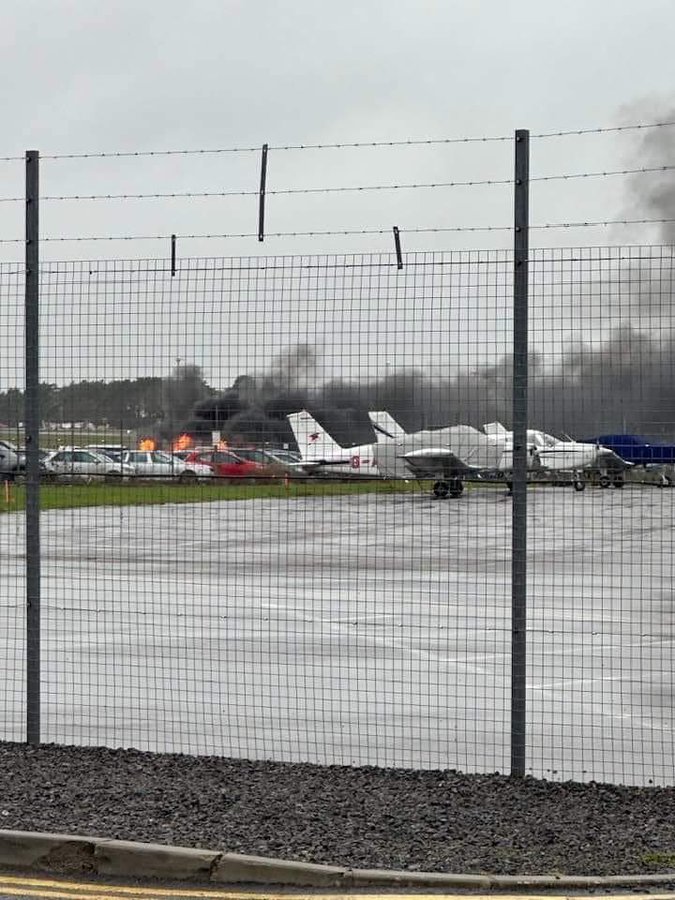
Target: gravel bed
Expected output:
[439,821]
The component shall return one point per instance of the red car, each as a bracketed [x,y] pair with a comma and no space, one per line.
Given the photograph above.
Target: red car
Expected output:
[226,464]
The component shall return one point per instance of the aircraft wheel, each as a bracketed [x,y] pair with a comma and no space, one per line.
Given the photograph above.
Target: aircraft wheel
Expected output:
[579,484]
[604,481]
[456,488]
[441,490]
[618,483]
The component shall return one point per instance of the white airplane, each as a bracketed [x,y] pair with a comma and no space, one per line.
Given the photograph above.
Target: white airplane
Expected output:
[448,456]
[555,455]
[322,454]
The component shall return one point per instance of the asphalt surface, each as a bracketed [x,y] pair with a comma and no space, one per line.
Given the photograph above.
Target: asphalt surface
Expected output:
[362,630]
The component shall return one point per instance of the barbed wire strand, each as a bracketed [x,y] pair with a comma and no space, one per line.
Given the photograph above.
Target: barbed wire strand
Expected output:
[347,188]
[343,232]
[607,130]
[339,145]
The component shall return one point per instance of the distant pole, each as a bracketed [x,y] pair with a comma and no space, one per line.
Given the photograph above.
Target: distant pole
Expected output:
[519,416]
[32,429]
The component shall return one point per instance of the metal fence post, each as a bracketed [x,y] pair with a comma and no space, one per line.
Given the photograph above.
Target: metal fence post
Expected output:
[32,429]
[519,510]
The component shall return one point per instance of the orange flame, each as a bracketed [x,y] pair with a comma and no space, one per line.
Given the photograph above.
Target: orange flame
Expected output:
[184,442]
[147,444]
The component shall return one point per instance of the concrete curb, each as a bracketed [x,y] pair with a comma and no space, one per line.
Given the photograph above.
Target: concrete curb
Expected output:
[73,854]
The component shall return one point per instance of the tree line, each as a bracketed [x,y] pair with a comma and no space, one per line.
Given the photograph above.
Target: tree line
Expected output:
[146,404]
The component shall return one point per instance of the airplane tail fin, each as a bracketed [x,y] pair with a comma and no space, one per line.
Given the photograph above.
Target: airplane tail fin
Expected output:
[495,429]
[314,442]
[385,425]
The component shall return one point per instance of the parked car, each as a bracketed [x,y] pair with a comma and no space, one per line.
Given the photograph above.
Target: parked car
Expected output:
[114,451]
[10,462]
[158,464]
[226,464]
[279,462]
[75,464]
[42,455]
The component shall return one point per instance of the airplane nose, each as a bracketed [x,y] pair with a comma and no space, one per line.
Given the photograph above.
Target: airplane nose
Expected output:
[608,457]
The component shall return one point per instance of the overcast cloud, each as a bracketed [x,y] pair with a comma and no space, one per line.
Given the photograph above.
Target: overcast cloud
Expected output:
[128,75]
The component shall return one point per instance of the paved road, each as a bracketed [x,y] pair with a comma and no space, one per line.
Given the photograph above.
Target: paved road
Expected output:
[29,887]
[356,630]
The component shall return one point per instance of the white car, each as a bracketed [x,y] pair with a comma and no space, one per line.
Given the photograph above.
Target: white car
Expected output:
[74,464]
[158,464]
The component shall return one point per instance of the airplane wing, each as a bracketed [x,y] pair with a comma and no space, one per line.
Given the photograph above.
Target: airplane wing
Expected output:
[436,462]
[313,464]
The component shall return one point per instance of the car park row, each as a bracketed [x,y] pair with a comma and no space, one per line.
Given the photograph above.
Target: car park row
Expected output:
[117,463]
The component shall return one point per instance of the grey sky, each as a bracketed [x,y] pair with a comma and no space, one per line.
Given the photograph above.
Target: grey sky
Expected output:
[132,75]
[129,75]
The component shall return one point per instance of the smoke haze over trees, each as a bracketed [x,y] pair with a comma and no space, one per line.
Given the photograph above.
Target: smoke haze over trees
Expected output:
[624,383]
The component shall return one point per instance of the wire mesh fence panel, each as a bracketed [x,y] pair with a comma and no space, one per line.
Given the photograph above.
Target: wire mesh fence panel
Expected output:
[242,550]
[275,511]
[600,686]
[12,535]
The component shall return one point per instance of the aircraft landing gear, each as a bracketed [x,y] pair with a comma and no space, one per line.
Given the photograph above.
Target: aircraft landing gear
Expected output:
[619,482]
[456,488]
[604,481]
[453,488]
[579,483]
[441,489]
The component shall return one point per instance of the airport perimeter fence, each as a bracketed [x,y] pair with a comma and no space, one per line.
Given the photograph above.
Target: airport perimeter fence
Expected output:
[342,613]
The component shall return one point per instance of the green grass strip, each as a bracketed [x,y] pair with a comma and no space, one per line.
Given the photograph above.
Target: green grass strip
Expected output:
[74,496]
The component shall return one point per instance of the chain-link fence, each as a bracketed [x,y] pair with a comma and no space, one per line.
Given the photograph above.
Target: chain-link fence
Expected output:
[247,544]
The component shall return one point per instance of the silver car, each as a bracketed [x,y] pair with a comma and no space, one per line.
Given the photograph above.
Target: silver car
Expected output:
[74,464]
[157,464]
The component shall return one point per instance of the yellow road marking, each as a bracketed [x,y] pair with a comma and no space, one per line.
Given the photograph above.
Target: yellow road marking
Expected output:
[51,895]
[50,889]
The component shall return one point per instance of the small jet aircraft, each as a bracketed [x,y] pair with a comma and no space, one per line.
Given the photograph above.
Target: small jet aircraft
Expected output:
[321,454]
[555,455]
[453,454]
[448,456]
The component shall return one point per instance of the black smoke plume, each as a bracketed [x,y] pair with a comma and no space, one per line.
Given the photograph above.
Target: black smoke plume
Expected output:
[624,383]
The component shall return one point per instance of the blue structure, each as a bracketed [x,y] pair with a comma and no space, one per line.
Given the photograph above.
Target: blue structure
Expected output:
[637,450]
